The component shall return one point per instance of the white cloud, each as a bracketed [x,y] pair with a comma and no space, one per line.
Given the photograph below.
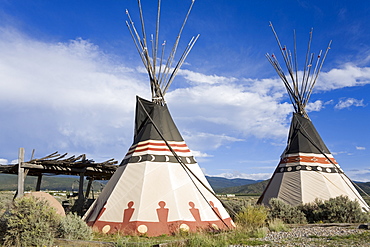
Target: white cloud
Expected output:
[314,106]
[348,75]
[253,176]
[199,78]
[67,96]
[340,152]
[359,175]
[199,154]
[236,106]
[3,161]
[360,148]
[13,162]
[207,141]
[347,103]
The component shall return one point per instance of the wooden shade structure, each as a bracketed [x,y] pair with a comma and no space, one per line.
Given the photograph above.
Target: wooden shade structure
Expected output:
[61,164]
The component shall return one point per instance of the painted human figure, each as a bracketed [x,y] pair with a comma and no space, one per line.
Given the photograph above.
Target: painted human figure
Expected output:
[215,209]
[195,212]
[162,212]
[127,213]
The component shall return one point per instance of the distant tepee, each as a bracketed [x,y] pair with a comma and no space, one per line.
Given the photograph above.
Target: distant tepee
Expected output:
[307,170]
[159,188]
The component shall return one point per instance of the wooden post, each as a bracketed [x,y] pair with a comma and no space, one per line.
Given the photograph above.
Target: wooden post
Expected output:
[38,185]
[20,173]
[79,203]
[88,187]
[81,187]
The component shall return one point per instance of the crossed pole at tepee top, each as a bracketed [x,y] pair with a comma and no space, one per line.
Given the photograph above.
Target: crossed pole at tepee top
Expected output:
[161,75]
[299,88]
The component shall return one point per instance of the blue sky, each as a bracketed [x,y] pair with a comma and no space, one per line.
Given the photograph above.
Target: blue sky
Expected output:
[69,74]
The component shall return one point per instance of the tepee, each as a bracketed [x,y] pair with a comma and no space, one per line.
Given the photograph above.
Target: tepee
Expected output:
[307,170]
[158,188]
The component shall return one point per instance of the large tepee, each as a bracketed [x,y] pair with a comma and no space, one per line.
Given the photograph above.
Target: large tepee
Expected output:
[158,188]
[307,170]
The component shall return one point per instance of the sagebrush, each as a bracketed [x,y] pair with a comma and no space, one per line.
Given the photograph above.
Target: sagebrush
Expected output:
[252,216]
[287,213]
[335,210]
[73,227]
[277,225]
[30,222]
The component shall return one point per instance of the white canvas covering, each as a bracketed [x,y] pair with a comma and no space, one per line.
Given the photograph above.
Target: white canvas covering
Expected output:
[159,187]
[307,178]
[132,199]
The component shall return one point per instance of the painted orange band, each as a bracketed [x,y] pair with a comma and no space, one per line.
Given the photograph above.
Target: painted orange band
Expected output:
[307,159]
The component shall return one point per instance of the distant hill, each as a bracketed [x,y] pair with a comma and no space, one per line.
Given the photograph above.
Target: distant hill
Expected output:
[9,182]
[220,185]
[220,182]
[67,183]
[248,189]
[364,186]
[257,188]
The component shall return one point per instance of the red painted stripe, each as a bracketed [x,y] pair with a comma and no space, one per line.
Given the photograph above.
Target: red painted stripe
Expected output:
[307,159]
[144,147]
[161,144]
[161,150]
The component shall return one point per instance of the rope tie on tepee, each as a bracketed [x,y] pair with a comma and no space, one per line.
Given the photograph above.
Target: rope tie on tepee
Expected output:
[188,170]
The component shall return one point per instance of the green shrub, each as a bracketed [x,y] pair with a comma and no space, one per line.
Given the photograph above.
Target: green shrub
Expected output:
[206,240]
[335,210]
[73,227]
[2,228]
[6,199]
[234,206]
[366,199]
[287,213]
[238,237]
[277,225]
[252,216]
[260,232]
[30,222]
[310,211]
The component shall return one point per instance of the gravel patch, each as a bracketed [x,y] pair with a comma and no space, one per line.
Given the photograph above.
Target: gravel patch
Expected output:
[313,236]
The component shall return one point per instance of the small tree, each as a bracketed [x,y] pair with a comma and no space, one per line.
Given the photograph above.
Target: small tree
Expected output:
[252,216]
[30,222]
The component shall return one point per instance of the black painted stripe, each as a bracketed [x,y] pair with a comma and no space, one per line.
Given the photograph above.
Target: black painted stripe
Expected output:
[158,158]
[307,168]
